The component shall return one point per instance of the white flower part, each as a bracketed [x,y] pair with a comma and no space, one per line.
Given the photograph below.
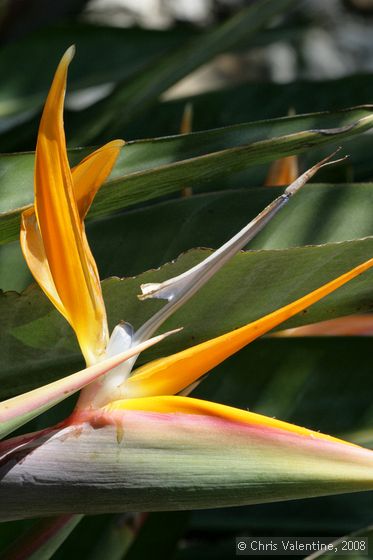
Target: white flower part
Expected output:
[110,385]
[120,340]
[179,289]
[174,288]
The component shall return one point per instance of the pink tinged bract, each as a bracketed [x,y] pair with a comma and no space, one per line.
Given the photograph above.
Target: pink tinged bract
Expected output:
[135,460]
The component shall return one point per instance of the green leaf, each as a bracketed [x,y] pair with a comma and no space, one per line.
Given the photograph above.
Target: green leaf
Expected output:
[152,168]
[318,214]
[131,97]
[253,101]
[251,285]
[105,55]
[14,273]
[112,114]
[130,50]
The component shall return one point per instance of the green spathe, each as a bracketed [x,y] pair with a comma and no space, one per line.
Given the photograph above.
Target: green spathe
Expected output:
[149,461]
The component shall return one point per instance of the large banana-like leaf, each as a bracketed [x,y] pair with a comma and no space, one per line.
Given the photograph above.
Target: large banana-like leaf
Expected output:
[149,169]
[130,50]
[251,285]
[129,100]
[253,100]
[318,214]
[130,97]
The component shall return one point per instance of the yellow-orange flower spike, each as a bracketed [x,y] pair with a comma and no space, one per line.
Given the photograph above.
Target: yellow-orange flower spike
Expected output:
[172,374]
[53,239]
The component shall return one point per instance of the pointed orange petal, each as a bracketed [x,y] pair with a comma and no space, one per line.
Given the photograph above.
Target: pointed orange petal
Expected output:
[282,172]
[91,172]
[33,250]
[170,375]
[66,248]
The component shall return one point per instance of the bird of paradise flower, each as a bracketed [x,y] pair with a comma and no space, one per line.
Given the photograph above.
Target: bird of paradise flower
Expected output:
[136,439]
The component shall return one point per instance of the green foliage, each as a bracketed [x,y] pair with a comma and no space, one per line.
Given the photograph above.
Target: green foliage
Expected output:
[34,332]
[139,223]
[150,169]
